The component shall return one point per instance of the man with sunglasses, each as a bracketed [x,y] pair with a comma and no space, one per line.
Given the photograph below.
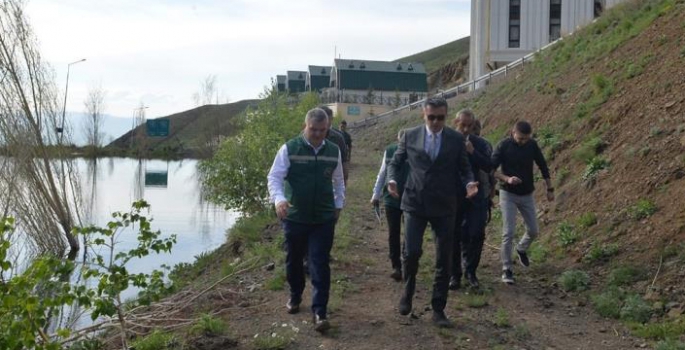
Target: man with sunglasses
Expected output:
[438,166]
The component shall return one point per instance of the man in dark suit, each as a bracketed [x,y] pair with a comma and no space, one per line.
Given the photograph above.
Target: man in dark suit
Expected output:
[439,165]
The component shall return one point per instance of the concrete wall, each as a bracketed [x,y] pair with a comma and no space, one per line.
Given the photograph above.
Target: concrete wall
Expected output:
[490,29]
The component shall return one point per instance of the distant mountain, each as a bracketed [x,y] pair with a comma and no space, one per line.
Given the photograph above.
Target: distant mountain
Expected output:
[446,64]
[191,132]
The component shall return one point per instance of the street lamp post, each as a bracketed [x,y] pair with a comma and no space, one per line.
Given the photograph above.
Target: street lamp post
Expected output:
[60,130]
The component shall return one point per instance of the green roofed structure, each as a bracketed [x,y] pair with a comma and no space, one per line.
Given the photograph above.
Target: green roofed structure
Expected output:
[296,81]
[319,78]
[379,76]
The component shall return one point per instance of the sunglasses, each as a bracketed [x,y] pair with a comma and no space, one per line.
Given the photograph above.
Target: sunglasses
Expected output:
[439,117]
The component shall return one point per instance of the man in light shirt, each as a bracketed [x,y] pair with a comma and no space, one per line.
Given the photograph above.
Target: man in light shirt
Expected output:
[306,185]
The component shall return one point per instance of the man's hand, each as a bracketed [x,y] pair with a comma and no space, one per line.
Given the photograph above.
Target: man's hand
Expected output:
[392,188]
[471,189]
[282,209]
[550,196]
[375,202]
[469,147]
[513,180]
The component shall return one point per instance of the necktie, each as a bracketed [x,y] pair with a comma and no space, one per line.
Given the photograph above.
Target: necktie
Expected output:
[434,146]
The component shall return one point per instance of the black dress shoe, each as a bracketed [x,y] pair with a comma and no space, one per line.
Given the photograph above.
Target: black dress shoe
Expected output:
[405,306]
[396,274]
[321,323]
[455,283]
[473,280]
[439,319]
[292,307]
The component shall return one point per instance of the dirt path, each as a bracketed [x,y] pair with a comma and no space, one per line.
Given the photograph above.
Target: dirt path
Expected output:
[533,314]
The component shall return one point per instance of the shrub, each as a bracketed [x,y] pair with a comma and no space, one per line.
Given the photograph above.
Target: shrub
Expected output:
[608,303]
[635,309]
[587,220]
[670,344]
[600,253]
[209,325]
[593,167]
[642,209]
[155,341]
[625,275]
[574,281]
[567,234]
[502,318]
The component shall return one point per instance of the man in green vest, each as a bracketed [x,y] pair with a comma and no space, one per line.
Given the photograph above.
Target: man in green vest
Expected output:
[306,185]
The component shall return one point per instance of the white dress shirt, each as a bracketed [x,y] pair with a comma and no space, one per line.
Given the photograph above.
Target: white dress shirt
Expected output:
[380,181]
[279,170]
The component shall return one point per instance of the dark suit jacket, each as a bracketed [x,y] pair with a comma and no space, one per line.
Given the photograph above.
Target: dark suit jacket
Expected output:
[432,186]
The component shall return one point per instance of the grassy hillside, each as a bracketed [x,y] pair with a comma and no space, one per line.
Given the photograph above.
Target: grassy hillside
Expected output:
[190,131]
[608,109]
[439,56]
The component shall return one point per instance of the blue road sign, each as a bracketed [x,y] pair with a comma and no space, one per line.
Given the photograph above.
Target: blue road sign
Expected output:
[157,127]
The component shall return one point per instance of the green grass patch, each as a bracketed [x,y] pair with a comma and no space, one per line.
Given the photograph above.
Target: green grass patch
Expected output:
[659,331]
[475,301]
[574,281]
[625,276]
[209,325]
[156,340]
[501,318]
[538,253]
[277,282]
[593,167]
[566,234]
[644,208]
[670,344]
[600,253]
[587,220]
[274,340]
[589,149]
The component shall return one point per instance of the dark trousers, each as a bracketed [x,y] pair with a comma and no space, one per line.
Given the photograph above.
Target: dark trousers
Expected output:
[415,226]
[394,218]
[469,236]
[316,241]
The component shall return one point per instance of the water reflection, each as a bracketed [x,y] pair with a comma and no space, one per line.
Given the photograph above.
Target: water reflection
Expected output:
[174,192]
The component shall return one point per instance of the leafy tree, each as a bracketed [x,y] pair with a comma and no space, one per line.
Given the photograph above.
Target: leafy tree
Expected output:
[236,176]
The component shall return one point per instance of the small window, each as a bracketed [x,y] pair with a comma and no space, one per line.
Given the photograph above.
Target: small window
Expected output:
[362,66]
[351,65]
[554,20]
[410,68]
[399,66]
[323,71]
[514,23]
[300,76]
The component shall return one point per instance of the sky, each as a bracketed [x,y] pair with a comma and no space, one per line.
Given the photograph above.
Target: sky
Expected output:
[156,52]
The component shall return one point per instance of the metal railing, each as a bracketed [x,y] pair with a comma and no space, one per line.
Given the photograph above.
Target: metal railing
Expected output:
[462,89]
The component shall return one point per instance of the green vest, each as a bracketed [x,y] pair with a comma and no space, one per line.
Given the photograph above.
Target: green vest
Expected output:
[389,200]
[309,182]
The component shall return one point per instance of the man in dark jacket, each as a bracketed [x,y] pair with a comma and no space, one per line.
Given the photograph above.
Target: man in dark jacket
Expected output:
[436,157]
[472,213]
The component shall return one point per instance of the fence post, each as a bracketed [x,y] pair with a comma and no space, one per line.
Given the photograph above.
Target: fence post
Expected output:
[506,70]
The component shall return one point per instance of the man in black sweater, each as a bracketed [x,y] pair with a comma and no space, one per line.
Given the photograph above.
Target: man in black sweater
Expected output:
[516,154]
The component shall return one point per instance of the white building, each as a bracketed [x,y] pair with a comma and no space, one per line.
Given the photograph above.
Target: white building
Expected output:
[503,31]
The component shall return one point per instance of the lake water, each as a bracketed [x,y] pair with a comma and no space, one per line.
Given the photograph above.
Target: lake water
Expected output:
[173,190]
